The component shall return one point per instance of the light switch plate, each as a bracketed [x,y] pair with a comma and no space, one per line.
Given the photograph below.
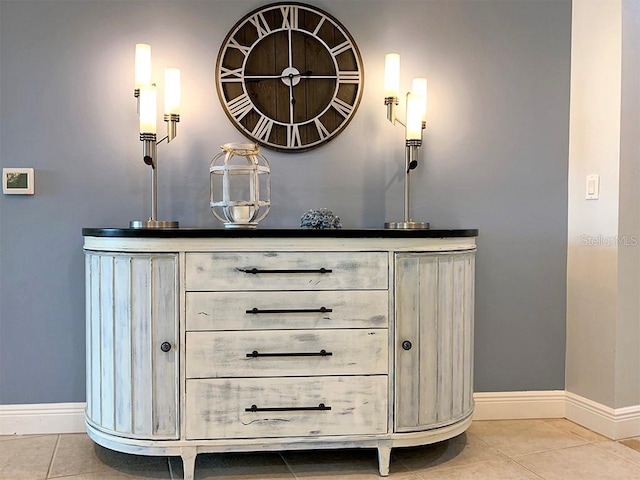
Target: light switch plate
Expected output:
[593,187]
[17,181]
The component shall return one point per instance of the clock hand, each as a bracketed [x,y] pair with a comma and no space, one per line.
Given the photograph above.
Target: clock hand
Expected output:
[290,76]
[259,78]
[291,97]
[310,75]
[300,74]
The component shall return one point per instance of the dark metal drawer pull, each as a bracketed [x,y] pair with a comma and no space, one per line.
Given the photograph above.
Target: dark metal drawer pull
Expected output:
[321,353]
[255,271]
[254,408]
[292,310]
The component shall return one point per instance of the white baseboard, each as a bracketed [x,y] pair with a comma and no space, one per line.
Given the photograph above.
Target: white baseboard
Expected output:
[519,405]
[42,418]
[613,423]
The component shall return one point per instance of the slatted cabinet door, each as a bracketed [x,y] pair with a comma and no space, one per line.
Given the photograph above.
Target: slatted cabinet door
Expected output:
[132,344]
[434,339]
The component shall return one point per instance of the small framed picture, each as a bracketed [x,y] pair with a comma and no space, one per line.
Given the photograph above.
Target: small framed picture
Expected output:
[17,181]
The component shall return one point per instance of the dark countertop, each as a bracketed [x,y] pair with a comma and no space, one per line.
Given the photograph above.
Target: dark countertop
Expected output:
[276,233]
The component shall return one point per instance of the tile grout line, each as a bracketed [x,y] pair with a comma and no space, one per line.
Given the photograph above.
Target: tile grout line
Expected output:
[616,453]
[424,475]
[594,444]
[527,468]
[288,466]
[170,469]
[399,460]
[55,451]
[539,452]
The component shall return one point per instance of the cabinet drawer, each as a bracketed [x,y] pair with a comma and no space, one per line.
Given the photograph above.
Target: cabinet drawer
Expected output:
[286,271]
[286,353]
[222,408]
[287,310]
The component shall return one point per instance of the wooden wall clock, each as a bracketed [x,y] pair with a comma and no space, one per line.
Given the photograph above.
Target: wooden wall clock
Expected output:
[289,76]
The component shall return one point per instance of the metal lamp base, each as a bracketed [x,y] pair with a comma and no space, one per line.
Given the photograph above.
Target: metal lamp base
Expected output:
[153,224]
[410,225]
[241,226]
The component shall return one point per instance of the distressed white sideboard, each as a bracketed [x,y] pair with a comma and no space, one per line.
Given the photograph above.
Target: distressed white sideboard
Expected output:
[218,341]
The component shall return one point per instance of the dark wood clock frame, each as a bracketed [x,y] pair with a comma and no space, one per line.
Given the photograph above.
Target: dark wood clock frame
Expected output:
[289,76]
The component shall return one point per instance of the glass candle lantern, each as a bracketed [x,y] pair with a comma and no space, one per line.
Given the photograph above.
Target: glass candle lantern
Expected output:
[240,185]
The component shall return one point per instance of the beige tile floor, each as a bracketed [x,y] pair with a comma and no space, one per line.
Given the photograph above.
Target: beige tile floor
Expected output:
[489,450]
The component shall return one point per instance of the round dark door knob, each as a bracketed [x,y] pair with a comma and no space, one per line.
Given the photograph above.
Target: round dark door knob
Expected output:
[407,345]
[165,347]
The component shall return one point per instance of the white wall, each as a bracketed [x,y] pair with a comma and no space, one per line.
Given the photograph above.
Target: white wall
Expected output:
[603,319]
[628,333]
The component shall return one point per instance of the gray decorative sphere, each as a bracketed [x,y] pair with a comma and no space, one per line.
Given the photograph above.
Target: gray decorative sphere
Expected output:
[320,219]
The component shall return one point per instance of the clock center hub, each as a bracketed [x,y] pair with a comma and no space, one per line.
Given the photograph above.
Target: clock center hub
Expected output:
[290,76]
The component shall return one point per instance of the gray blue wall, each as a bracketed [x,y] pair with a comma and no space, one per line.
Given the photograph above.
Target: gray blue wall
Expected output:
[495,159]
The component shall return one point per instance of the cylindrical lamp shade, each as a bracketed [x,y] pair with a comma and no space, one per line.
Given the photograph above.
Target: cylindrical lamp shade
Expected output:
[391,75]
[414,117]
[172,91]
[419,87]
[142,65]
[148,109]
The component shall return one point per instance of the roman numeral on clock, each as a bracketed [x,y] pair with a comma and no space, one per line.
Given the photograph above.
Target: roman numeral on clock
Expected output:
[262,27]
[289,17]
[240,106]
[322,130]
[342,107]
[262,130]
[293,136]
[346,76]
[338,49]
[228,75]
[244,49]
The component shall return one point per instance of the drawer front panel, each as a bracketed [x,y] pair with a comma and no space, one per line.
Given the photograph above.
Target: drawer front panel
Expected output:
[286,353]
[221,408]
[286,271]
[287,310]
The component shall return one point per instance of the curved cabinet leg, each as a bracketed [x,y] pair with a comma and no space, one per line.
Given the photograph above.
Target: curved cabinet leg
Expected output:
[384,458]
[189,462]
